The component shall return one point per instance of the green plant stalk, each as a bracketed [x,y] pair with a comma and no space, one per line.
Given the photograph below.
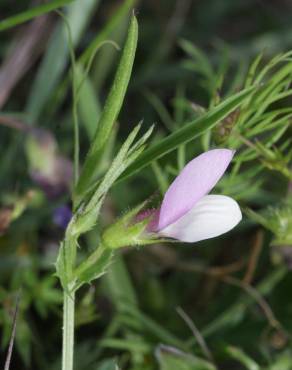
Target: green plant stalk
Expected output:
[68,330]
[70,246]
[69,297]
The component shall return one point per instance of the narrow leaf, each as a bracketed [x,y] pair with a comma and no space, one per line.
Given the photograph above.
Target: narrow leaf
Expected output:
[32,13]
[57,55]
[110,112]
[188,132]
[171,358]
[241,357]
[93,267]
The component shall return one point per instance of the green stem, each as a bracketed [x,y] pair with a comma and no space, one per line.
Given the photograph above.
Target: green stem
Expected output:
[76,142]
[68,331]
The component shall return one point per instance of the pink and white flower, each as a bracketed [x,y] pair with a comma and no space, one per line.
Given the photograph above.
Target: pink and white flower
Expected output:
[187,212]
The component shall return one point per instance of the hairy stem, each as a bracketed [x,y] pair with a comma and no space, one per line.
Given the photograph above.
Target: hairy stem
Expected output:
[68,331]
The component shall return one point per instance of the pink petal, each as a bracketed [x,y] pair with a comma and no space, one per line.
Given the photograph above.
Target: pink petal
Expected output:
[153,215]
[196,180]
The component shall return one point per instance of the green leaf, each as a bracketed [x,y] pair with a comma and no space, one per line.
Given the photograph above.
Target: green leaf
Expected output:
[65,262]
[234,314]
[170,358]
[241,357]
[134,345]
[283,362]
[61,266]
[110,112]
[131,314]
[108,365]
[188,132]
[93,267]
[88,104]
[119,285]
[31,13]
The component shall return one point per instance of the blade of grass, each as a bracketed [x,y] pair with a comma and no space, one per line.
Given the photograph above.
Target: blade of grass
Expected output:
[27,15]
[11,342]
[236,313]
[239,355]
[58,51]
[151,326]
[119,285]
[188,132]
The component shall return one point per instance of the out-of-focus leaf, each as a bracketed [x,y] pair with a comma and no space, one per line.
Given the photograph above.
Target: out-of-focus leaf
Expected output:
[108,365]
[283,362]
[88,103]
[133,345]
[32,13]
[235,314]
[133,316]
[170,358]
[78,15]
[119,285]
[242,357]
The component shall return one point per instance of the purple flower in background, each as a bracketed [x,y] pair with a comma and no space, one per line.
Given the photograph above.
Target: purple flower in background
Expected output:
[62,216]
[187,212]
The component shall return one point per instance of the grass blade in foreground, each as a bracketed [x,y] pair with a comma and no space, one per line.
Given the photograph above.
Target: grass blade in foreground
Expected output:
[188,132]
[31,13]
[110,112]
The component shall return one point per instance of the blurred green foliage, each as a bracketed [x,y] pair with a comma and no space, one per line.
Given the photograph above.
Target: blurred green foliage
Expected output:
[192,63]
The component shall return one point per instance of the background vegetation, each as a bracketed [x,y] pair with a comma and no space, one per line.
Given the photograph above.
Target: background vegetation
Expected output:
[220,304]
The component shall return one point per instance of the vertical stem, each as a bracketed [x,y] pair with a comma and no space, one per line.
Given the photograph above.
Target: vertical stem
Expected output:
[76,140]
[181,157]
[68,331]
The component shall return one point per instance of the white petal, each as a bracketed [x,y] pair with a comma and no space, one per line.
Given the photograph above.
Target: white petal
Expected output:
[211,216]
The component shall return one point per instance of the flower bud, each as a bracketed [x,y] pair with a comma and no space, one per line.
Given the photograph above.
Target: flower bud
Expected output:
[130,230]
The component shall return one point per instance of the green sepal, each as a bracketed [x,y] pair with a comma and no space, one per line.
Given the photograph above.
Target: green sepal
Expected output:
[126,232]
